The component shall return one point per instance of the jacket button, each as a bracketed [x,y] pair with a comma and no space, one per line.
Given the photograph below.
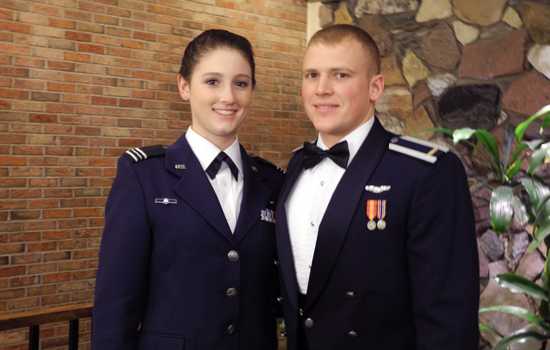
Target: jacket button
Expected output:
[231,329]
[280,299]
[352,334]
[231,293]
[350,295]
[308,323]
[276,262]
[233,255]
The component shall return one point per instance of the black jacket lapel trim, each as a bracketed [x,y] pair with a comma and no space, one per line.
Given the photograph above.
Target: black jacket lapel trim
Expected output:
[284,247]
[341,208]
[194,187]
[255,196]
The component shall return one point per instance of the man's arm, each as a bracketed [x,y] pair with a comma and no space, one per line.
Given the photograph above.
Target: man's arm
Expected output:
[443,260]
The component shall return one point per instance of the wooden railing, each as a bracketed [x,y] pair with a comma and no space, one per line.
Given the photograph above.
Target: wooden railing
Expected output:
[33,319]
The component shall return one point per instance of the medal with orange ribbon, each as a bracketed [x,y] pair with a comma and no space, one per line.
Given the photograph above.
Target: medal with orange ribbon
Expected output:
[381,214]
[371,213]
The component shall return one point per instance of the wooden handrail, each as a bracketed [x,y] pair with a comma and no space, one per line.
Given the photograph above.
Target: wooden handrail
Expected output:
[35,318]
[45,315]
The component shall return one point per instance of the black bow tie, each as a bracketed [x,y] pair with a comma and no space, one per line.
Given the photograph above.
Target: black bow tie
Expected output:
[339,154]
[213,168]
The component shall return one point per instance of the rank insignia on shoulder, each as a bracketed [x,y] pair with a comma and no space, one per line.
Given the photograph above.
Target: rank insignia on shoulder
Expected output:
[142,153]
[266,162]
[417,148]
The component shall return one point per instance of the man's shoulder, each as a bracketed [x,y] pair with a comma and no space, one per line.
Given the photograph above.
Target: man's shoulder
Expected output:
[429,152]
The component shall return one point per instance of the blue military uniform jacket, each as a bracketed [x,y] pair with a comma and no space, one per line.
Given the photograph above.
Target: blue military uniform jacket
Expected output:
[412,285]
[171,274]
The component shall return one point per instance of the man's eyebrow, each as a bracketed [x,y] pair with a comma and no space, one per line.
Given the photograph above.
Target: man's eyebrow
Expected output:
[333,69]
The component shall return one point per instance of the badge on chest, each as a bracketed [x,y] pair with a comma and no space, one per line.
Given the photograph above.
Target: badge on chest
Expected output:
[376,210]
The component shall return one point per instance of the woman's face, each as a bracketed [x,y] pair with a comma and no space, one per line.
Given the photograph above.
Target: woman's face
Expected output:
[219,92]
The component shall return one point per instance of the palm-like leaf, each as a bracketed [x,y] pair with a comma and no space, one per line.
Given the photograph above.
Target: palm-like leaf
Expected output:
[521,335]
[544,111]
[501,208]
[518,284]
[520,312]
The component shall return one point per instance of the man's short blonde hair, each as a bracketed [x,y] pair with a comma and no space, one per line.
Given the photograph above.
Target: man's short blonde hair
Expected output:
[339,33]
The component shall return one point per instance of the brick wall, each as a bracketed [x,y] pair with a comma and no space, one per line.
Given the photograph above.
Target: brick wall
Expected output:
[81,82]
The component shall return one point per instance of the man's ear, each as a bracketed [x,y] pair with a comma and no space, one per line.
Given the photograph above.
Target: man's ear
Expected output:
[376,87]
[183,87]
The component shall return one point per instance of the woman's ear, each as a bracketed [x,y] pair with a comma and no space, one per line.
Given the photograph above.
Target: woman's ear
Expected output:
[183,87]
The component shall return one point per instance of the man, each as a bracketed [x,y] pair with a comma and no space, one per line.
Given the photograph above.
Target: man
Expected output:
[376,236]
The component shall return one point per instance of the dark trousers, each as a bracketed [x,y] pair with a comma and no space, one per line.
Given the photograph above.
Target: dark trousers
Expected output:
[301,339]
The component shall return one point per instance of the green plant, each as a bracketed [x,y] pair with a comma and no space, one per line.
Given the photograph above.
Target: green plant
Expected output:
[521,195]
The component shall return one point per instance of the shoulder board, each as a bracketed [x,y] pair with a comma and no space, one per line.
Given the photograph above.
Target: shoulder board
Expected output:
[142,153]
[266,162]
[417,148]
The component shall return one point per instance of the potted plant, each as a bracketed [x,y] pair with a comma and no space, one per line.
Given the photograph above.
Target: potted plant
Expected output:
[520,195]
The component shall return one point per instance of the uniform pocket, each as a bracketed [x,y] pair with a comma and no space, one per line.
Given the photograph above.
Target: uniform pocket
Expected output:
[156,341]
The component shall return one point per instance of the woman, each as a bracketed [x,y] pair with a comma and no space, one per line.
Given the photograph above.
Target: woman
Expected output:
[187,255]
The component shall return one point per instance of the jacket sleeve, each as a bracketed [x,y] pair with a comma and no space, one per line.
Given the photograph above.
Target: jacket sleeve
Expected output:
[123,264]
[443,260]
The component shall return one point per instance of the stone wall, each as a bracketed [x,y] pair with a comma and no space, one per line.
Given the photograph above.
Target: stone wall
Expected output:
[464,63]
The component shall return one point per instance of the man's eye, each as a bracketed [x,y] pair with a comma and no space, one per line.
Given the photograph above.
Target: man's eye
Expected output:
[311,75]
[341,75]
[212,82]
[242,84]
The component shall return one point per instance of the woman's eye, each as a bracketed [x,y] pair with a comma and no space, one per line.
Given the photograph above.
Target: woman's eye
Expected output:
[242,84]
[212,82]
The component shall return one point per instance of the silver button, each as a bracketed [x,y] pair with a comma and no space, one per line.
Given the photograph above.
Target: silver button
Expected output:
[276,262]
[231,329]
[312,224]
[233,255]
[350,295]
[394,139]
[301,312]
[352,334]
[231,293]
[308,323]
[322,183]
[280,299]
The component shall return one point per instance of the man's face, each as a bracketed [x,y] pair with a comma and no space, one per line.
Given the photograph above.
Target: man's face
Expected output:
[338,88]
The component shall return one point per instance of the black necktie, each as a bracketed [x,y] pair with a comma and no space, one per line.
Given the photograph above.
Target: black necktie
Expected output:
[339,154]
[213,168]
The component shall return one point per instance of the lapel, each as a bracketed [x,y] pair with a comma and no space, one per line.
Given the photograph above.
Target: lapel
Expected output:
[194,187]
[341,208]
[256,195]
[284,247]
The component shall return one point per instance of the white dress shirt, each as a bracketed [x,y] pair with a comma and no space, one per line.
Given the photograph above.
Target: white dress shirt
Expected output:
[308,201]
[228,190]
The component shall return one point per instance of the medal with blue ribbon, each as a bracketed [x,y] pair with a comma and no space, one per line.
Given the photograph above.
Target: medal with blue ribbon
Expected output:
[381,214]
